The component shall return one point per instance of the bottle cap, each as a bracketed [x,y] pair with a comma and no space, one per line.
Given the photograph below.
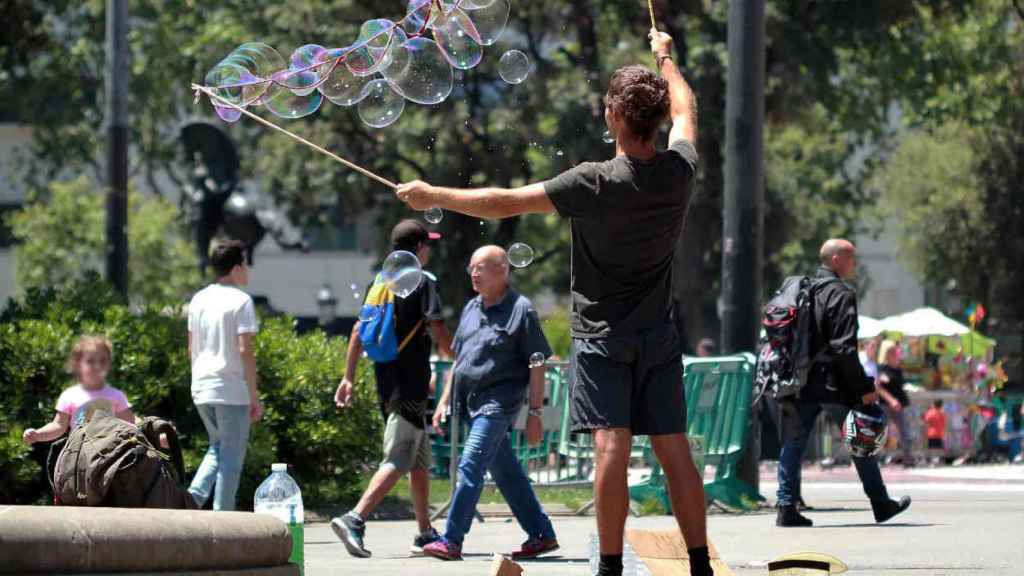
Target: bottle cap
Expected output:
[279,467]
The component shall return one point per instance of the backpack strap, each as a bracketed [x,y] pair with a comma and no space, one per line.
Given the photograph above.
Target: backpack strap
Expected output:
[409,336]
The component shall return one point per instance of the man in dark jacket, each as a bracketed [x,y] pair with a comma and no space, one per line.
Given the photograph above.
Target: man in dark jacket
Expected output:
[836,378]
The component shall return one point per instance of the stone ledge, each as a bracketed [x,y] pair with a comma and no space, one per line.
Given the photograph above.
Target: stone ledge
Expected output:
[73,540]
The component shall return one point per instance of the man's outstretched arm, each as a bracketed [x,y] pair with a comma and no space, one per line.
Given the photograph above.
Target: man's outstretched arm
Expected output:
[480,202]
[683,104]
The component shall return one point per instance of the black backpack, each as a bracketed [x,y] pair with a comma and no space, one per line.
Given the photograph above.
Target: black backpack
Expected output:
[784,357]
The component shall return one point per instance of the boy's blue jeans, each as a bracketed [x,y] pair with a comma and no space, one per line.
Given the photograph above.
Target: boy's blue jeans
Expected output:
[797,422]
[228,428]
[487,449]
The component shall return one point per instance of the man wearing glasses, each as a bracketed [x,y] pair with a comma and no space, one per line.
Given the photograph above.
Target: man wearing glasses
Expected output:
[498,334]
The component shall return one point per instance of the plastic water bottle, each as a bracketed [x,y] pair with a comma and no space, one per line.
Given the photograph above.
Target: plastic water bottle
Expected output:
[280,497]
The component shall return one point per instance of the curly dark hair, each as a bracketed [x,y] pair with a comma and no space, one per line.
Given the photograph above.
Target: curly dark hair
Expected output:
[640,97]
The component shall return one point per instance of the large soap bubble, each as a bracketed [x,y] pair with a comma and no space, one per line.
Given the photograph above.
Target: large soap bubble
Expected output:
[381,106]
[402,272]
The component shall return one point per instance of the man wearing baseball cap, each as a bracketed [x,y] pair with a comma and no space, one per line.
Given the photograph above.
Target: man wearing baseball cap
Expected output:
[403,387]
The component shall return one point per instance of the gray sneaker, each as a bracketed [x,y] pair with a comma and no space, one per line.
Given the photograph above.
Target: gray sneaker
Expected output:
[350,531]
[422,540]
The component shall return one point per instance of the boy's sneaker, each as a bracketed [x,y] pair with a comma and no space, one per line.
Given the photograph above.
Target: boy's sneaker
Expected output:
[350,530]
[443,549]
[535,547]
[422,540]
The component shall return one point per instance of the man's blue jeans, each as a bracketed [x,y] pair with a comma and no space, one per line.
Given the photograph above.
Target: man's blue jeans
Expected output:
[228,427]
[487,449]
[797,422]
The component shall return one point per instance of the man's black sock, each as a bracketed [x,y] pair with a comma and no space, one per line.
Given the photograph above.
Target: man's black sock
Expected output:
[611,565]
[700,562]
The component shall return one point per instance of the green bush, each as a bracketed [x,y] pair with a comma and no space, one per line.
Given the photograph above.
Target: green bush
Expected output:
[328,448]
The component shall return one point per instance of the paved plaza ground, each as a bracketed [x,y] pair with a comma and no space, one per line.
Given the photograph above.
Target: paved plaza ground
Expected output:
[964,521]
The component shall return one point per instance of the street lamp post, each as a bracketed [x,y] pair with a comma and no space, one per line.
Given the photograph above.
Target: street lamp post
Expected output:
[325,305]
[117,145]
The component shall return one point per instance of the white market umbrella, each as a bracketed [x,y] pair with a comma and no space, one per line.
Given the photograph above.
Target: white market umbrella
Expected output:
[868,328]
[924,322]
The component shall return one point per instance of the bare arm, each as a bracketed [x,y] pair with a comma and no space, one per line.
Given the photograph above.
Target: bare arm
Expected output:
[50,432]
[683,103]
[535,395]
[248,355]
[442,338]
[480,202]
[127,415]
[355,348]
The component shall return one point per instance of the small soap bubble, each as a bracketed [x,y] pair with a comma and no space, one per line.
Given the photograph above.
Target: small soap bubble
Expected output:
[514,67]
[607,137]
[433,214]
[560,153]
[520,255]
[537,359]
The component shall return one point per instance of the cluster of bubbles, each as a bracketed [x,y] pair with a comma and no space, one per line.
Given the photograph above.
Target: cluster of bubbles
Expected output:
[402,272]
[389,62]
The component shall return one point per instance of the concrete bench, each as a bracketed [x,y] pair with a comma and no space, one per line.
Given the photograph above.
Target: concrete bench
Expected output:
[73,540]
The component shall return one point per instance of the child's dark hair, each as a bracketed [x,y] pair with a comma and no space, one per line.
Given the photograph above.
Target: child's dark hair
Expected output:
[225,255]
[640,97]
[937,403]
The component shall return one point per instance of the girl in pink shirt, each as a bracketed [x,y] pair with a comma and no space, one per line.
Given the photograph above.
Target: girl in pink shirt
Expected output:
[89,363]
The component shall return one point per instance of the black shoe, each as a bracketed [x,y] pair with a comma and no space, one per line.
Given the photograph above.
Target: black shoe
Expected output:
[350,531]
[802,506]
[788,517]
[886,509]
[422,540]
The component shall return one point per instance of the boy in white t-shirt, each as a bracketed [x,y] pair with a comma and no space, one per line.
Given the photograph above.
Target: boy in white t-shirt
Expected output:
[221,325]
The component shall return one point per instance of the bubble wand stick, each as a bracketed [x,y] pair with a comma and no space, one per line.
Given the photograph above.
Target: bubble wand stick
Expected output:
[223,102]
[650,9]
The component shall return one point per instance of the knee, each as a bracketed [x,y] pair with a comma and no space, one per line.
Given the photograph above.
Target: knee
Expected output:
[612,443]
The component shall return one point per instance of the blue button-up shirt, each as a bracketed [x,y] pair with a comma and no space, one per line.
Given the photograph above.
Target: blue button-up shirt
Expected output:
[493,346]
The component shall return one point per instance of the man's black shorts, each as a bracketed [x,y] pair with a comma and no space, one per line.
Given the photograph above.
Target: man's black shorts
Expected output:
[633,382]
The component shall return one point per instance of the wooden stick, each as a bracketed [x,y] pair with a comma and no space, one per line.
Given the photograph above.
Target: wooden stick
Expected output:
[221,101]
[650,8]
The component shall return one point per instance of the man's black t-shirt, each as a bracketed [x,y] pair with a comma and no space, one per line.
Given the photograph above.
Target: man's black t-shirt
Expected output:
[626,216]
[404,383]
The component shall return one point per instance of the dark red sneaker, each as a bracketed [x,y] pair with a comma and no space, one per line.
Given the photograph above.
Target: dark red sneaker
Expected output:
[534,548]
[443,549]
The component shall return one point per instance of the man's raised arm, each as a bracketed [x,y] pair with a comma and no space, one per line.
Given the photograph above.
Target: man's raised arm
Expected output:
[683,104]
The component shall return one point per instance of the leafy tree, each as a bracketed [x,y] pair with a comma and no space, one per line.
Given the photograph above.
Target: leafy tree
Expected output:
[61,239]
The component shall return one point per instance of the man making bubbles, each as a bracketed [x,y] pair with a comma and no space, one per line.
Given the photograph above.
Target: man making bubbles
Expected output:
[626,215]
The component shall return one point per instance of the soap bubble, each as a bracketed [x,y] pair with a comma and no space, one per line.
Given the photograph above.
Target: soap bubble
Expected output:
[341,86]
[281,101]
[489,18]
[433,214]
[367,54]
[513,67]
[380,105]
[419,71]
[520,255]
[607,137]
[302,77]
[537,359]
[402,272]
[455,36]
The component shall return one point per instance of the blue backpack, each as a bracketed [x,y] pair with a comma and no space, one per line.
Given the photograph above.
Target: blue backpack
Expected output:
[377,324]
